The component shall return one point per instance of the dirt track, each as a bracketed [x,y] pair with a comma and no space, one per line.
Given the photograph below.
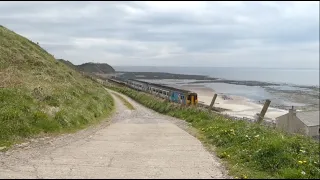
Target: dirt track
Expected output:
[136,143]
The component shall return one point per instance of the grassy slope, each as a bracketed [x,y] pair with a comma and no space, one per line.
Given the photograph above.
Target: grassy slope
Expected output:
[68,63]
[249,150]
[96,68]
[41,95]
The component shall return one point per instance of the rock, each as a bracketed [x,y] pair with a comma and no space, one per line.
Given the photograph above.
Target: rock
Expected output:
[34,140]
[23,144]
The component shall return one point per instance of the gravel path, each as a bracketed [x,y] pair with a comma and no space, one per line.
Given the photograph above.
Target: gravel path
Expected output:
[136,143]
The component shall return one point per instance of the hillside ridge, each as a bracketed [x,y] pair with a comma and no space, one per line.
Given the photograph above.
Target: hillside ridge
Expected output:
[39,94]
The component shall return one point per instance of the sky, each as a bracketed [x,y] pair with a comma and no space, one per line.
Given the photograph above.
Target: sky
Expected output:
[197,34]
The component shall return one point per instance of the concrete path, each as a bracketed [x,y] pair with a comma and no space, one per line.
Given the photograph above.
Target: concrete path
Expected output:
[136,143]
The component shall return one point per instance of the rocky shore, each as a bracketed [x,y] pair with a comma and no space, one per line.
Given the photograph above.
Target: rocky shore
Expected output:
[196,79]
[304,97]
[160,75]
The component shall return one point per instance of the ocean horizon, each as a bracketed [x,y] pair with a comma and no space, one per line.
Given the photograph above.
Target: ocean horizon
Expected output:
[290,76]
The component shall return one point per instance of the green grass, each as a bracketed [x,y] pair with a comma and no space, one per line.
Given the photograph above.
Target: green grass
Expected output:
[124,101]
[41,95]
[248,150]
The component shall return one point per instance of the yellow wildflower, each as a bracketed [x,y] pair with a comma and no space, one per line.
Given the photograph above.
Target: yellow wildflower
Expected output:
[244,176]
[300,162]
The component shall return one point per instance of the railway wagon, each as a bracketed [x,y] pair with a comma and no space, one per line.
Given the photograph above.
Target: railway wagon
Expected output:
[172,94]
[141,86]
[184,97]
[158,91]
[151,88]
[119,82]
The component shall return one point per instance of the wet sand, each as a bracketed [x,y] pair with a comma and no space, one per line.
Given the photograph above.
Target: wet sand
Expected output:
[237,106]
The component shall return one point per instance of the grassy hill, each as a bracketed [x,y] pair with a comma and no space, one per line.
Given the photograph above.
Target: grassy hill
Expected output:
[101,71]
[100,68]
[39,94]
[95,68]
[68,63]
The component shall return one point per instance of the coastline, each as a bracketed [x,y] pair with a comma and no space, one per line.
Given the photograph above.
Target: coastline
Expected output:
[236,106]
[196,79]
[242,99]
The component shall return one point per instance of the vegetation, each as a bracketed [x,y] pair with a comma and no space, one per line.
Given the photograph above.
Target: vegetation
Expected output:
[39,95]
[68,63]
[124,101]
[248,150]
[95,68]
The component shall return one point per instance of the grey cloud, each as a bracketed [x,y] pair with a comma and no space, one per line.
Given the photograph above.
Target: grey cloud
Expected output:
[291,31]
[222,31]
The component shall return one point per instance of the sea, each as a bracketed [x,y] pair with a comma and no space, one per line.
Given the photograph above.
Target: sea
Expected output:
[308,77]
[287,80]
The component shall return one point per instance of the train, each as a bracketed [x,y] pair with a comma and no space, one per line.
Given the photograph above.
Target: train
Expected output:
[171,94]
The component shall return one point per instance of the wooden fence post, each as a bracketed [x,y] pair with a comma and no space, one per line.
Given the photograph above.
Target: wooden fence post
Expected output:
[212,102]
[263,111]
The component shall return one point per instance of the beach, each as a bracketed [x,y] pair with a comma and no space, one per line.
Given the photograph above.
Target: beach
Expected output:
[236,106]
[239,98]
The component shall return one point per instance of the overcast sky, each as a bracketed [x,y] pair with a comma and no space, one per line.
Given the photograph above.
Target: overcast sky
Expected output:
[237,34]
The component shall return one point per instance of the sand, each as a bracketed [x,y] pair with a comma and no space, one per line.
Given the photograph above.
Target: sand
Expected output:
[237,106]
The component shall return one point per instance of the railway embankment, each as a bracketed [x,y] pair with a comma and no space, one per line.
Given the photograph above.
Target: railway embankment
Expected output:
[249,150]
